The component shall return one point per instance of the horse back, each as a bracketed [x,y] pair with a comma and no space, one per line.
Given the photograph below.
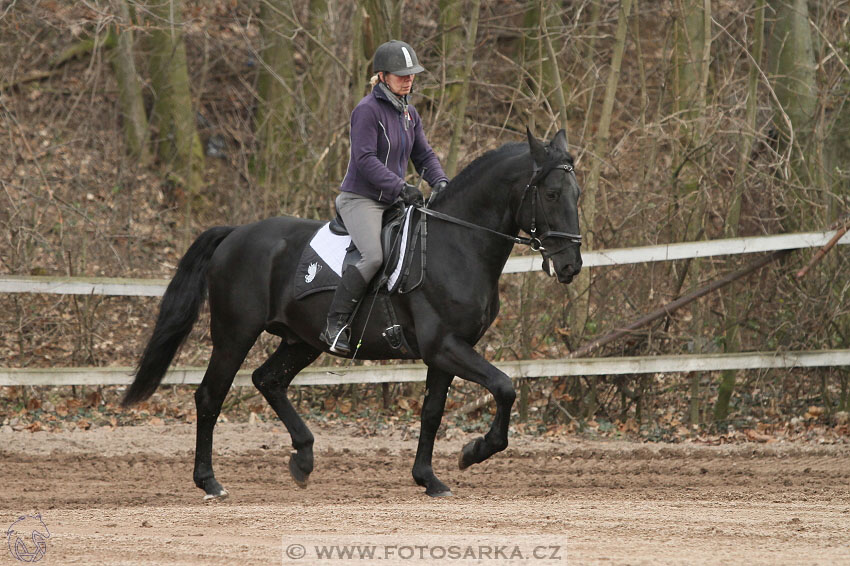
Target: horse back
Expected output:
[251,261]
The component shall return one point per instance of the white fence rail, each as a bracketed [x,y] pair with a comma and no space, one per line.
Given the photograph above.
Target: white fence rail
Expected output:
[516,264]
[416,372]
[707,248]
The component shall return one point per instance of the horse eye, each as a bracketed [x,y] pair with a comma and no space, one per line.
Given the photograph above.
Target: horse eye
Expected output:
[552,195]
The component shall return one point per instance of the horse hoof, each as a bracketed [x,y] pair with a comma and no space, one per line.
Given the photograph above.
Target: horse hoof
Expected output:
[435,488]
[466,459]
[446,493]
[213,497]
[300,478]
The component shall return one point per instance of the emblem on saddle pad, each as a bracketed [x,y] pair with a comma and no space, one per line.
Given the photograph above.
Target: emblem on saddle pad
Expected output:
[312,270]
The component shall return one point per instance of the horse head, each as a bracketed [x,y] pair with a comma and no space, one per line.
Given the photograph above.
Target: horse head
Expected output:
[548,208]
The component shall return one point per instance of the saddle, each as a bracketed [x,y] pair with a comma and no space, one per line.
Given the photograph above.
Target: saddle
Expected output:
[331,251]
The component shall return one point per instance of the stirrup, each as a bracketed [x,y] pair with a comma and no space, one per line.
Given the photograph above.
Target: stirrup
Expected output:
[344,348]
[333,342]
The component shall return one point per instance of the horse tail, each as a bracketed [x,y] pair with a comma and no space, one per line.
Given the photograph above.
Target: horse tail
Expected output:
[178,313]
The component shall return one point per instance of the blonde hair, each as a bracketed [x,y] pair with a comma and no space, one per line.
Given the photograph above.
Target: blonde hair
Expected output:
[374,80]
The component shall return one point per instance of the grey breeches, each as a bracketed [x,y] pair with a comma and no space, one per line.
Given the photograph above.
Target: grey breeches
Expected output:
[362,217]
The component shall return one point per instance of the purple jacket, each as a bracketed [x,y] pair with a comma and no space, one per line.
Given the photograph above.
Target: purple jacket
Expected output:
[380,148]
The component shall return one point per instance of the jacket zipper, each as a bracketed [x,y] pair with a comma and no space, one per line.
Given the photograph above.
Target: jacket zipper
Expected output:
[403,142]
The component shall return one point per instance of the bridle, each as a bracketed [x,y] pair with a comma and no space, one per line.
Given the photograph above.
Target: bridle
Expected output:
[535,242]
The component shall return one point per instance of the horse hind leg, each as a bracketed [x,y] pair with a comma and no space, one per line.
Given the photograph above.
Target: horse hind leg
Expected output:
[224,363]
[272,380]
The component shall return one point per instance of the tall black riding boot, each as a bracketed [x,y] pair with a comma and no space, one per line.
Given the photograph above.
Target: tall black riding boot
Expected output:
[349,292]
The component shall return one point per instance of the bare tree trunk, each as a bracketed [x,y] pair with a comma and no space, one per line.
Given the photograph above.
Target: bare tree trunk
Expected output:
[590,58]
[838,151]
[529,59]
[600,146]
[326,124]
[394,10]
[748,132]
[735,306]
[551,73]
[691,39]
[792,64]
[593,28]
[693,45]
[691,58]
[537,54]
[179,146]
[385,20]
[276,105]
[460,108]
[361,64]
[451,31]
[593,189]
[318,57]
[135,121]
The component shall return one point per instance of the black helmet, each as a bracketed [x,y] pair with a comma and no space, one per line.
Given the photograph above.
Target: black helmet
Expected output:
[396,57]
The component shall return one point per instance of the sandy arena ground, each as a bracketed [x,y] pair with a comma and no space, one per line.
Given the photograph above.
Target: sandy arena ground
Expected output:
[125,496]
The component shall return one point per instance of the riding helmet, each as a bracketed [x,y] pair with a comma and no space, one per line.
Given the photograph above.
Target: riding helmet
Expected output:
[396,57]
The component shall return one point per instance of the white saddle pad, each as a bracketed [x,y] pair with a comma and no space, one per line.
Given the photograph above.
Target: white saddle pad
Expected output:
[332,248]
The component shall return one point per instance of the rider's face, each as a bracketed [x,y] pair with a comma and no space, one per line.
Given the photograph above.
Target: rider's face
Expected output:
[400,86]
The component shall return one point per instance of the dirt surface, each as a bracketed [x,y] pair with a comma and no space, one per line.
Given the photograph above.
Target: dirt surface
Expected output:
[125,496]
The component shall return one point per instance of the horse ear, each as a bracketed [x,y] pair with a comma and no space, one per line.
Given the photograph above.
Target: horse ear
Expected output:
[538,150]
[560,141]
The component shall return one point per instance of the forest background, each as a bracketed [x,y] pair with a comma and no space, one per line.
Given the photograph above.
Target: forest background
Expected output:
[128,127]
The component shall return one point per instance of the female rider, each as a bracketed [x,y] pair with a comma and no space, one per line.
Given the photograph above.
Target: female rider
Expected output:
[386,132]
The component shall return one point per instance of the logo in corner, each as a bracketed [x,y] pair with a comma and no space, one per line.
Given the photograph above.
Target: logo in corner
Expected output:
[27,538]
[312,270]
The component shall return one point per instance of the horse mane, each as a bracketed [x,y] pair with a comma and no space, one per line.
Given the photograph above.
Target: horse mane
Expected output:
[476,169]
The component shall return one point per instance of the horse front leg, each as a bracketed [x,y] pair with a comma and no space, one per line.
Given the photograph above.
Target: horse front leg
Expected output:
[436,390]
[457,357]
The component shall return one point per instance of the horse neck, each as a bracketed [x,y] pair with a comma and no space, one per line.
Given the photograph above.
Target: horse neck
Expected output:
[488,200]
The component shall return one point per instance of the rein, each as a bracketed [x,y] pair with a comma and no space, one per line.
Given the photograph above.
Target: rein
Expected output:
[458,221]
[535,242]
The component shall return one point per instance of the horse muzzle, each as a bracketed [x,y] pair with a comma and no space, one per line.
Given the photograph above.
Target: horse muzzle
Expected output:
[565,271]
[567,274]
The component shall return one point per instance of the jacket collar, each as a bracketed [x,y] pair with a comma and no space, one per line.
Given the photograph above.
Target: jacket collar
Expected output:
[381,92]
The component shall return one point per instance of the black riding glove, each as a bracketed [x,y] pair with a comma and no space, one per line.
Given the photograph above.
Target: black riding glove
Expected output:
[438,187]
[411,195]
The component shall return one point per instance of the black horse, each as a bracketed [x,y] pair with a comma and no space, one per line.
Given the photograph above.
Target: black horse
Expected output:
[250,274]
